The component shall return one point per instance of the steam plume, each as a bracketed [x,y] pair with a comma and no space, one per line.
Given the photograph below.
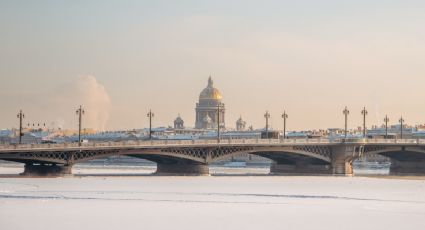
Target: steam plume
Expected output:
[89,93]
[96,101]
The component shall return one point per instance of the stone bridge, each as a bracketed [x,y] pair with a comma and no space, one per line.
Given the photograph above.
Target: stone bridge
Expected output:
[296,156]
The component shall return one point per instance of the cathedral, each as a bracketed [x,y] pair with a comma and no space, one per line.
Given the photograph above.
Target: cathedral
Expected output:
[209,108]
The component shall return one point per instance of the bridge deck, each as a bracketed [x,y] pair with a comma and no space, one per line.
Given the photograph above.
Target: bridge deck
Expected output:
[204,143]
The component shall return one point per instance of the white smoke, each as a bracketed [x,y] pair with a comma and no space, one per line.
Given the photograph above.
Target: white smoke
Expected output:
[89,93]
[95,100]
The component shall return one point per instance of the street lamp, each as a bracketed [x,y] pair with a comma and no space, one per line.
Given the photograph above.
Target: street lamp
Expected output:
[20,116]
[150,115]
[364,113]
[80,113]
[267,116]
[218,121]
[401,127]
[284,116]
[346,112]
[386,120]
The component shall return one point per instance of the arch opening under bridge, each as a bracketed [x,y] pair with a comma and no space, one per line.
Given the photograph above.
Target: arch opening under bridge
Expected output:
[290,160]
[405,160]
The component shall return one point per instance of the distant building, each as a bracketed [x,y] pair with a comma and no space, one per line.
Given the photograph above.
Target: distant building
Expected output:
[393,131]
[269,134]
[31,138]
[5,135]
[178,123]
[241,135]
[240,124]
[207,108]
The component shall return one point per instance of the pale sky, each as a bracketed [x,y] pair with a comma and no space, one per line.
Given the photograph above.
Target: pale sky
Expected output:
[121,58]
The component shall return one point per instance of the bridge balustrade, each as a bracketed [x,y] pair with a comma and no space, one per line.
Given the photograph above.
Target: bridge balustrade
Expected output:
[185,142]
[210,141]
[386,141]
[409,141]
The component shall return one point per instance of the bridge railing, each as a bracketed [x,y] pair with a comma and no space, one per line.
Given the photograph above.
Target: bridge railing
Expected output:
[161,143]
[149,143]
[396,141]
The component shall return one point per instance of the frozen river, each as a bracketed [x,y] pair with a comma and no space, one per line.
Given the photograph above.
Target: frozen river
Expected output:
[210,202]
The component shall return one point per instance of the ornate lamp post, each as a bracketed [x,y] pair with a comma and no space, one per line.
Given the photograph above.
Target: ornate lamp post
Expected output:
[345,112]
[284,116]
[218,121]
[386,120]
[401,127]
[150,115]
[267,116]
[80,113]
[364,113]
[21,116]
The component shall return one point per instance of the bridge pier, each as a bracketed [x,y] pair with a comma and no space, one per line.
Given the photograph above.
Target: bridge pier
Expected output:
[342,159]
[299,168]
[407,167]
[342,168]
[31,169]
[182,169]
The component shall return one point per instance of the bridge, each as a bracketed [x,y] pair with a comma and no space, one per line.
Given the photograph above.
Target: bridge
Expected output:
[192,157]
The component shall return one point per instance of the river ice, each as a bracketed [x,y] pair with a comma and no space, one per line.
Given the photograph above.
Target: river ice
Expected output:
[211,202]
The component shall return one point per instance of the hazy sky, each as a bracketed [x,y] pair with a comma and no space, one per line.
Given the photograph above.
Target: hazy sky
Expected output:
[120,58]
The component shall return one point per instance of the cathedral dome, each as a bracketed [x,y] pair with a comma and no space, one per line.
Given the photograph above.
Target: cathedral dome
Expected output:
[210,92]
[210,110]
[179,123]
[178,119]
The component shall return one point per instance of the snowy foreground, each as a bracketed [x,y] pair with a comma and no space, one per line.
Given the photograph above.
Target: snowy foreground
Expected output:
[211,202]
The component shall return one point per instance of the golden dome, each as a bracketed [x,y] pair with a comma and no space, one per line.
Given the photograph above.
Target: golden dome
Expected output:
[210,92]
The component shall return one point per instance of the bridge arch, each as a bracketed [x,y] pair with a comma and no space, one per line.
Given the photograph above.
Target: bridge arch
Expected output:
[156,155]
[270,152]
[404,159]
[400,153]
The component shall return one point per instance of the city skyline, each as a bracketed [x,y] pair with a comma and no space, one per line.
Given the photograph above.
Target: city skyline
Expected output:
[364,113]
[120,60]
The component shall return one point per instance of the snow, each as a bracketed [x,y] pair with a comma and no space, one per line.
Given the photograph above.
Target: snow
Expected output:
[211,202]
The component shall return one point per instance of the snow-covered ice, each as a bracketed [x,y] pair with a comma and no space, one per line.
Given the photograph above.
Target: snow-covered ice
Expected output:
[212,202]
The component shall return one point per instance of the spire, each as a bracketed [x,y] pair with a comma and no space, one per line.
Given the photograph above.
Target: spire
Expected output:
[240,118]
[210,82]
